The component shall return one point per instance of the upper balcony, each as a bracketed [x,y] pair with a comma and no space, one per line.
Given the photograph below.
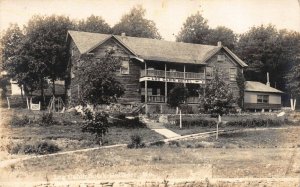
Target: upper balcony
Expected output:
[172,74]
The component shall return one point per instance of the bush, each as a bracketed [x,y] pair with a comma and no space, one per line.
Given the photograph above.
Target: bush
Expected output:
[96,124]
[39,147]
[129,123]
[174,144]
[20,122]
[47,119]
[256,122]
[136,142]
[196,122]
[158,143]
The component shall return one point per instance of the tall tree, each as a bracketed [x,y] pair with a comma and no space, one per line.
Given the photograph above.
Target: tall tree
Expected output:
[10,42]
[94,24]
[194,30]
[266,49]
[13,59]
[134,24]
[96,78]
[45,42]
[259,48]
[217,98]
[222,34]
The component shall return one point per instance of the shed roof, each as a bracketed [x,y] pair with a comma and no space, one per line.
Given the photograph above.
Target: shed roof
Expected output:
[253,86]
[152,49]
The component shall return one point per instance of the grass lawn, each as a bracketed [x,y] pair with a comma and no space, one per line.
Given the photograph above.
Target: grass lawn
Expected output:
[67,137]
[258,153]
[155,164]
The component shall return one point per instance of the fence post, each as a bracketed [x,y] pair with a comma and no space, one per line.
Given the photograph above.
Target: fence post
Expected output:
[8,104]
[219,121]
[180,119]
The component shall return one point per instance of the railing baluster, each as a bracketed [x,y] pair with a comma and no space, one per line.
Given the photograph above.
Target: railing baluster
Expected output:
[170,74]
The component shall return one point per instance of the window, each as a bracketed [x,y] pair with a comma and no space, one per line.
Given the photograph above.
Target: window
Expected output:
[221,58]
[148,93]
[209,71]
[262,99]
[232,74]
[125,67]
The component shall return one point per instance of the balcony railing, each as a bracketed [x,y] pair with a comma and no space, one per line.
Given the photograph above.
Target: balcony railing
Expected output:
[156,98]
[171,74]
[161,99]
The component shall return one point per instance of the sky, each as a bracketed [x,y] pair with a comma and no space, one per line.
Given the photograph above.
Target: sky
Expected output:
[169,15]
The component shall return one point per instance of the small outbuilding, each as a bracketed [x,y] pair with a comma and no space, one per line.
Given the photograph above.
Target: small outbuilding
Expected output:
[261,97]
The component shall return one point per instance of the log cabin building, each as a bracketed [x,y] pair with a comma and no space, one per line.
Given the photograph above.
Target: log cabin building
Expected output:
[151,67]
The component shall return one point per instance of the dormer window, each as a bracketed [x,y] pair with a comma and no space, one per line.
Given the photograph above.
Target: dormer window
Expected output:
[221,58]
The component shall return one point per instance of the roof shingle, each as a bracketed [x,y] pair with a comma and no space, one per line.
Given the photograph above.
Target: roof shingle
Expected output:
[152,49]
[254,86]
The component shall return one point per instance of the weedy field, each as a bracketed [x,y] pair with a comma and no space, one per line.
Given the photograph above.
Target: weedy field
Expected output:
[271,152]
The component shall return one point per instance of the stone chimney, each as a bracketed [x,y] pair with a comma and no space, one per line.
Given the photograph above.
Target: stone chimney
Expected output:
[219,44]
[268,81]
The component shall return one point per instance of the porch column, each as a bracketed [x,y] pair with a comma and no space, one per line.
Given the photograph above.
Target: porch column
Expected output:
[166,84]
[146,96]
[146,90]
[184,75]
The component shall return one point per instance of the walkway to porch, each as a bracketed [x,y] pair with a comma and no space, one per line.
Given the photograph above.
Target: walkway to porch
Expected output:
[159,128]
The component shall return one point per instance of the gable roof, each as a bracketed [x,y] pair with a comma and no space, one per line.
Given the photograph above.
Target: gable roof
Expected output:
[253,86]
[152,49]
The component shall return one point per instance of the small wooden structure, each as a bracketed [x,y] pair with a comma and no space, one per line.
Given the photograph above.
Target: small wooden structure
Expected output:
[261,97]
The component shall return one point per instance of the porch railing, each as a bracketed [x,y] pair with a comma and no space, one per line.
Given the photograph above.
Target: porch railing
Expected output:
[171,74]
[156,98]
[193,100]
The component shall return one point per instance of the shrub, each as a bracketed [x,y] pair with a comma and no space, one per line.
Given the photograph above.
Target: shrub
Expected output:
[158,143]
[256,122]
[20,122]
[136,142]
[197,122]
[39,147]
[96,124]
[129,123]
[47,119]
[174,144]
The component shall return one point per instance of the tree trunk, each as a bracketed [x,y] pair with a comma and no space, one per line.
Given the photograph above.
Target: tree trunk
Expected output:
[53,86]
[22,93]
[42,90]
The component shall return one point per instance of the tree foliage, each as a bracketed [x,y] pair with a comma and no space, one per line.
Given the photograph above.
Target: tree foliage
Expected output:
[95,123]
[97,81]
[10,41]
[222,34]
[134,24]
[46,43]
[240,80]
[177,96]
[265,49]
[217,98]
[94,24]
[194,30]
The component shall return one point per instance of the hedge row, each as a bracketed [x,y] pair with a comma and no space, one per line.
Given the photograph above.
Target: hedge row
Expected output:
[246,123]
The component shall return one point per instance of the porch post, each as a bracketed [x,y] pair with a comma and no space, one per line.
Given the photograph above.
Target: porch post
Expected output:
[166,84]
[146,96]
[184,75]
[146,90]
